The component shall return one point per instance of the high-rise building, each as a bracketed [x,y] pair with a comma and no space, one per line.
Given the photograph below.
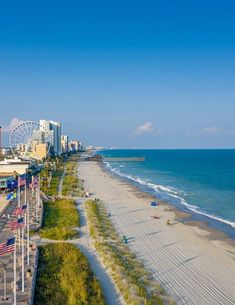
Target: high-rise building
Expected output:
[75,146]
[55,128]
[64,143]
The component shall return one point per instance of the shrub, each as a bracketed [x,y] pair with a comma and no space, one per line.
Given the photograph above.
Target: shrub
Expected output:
[64,277]
[59,219]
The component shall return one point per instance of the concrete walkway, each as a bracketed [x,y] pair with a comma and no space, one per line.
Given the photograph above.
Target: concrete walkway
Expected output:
[61,183]
[3,202]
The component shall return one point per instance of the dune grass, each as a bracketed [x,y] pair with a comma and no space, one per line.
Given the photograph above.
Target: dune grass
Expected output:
[128,272]
[59,219]
[64,277]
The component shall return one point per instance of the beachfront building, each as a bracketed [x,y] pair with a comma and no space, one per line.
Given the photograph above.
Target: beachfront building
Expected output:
[4,177]
[5,151]
[75,146]
[64,144]
[14,165]
[55,129]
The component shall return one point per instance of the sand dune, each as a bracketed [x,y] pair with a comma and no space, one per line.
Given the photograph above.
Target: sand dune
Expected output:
[191,266]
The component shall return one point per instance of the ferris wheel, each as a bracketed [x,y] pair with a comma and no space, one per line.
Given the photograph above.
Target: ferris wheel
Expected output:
[30,140]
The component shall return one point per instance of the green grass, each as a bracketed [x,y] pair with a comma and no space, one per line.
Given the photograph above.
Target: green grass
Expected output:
[59,219]
[129,274]
[64,277]
[72,185]
[52,189]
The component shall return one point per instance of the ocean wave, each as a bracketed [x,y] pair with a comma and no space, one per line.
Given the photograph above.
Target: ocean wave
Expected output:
[169,192]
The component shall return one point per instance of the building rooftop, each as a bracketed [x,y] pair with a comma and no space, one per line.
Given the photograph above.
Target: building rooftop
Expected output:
[13,161]
[7,174]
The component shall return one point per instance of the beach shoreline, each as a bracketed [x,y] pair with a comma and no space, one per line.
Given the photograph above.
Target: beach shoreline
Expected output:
[226,234]
[194,241]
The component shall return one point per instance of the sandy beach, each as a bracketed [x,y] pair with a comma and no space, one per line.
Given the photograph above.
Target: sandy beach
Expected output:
[194,265]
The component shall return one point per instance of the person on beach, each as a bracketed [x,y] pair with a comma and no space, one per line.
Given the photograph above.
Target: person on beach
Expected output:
[87,194]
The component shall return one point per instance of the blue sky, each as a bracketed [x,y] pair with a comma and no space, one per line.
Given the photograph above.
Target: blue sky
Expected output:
[157,74]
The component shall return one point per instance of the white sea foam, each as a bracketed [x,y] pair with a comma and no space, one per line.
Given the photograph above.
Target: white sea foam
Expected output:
[171,192]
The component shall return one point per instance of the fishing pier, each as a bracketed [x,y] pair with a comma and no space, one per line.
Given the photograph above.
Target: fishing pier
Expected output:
[99,158]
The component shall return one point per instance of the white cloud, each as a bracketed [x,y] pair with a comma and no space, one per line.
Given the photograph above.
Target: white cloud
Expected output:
[145,128]
[14,122]
[211,130]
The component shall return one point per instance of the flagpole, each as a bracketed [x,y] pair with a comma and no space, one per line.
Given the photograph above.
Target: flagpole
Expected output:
[22,259]
[37,200]
[28,233]
[25,193]
[36,203]
[4,281]
[5,285]
[18,192]
[15,274]
[39,191]
[18,195]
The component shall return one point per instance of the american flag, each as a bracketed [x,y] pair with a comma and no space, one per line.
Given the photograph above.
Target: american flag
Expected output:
[17,224]
[24,207]
[7,246]
[22,181]
[18,211]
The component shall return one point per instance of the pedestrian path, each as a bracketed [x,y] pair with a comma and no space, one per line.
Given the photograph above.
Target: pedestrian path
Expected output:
[85,243]
[4,202]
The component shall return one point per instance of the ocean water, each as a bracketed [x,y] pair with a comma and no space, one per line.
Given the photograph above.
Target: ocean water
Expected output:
[199,181]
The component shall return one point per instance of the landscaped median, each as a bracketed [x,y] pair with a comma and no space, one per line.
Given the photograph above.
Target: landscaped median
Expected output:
[50,177]
[60,220]
[128,272]
[72,185]
[64,278]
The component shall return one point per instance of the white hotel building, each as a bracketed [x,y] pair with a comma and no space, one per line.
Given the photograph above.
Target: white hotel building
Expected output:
[55,128]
